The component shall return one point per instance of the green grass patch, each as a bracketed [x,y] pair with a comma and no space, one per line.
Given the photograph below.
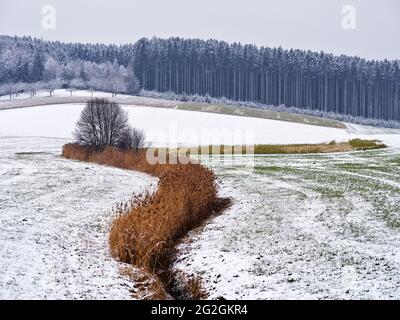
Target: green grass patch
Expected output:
[329,192]
[273,169]
[395,161]
[331,147]
[360,144]
[373,168]
[352,166]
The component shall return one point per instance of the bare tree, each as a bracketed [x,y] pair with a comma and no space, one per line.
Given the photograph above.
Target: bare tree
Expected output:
[52,85]
[101,124]
[7,88]
[118,85]
[131,139]
[76,84]
[30,87]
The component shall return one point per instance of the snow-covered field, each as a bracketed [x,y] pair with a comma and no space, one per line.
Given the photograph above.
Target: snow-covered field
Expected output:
[303,227]
[312,226]
[178,127]
[54,220]
[60,93]
[62,96]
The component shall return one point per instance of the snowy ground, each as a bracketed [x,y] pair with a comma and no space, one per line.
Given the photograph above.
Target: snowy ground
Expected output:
[177,127]
[55,216]
[58,93]
[62,96]
[312,226]
[303,227]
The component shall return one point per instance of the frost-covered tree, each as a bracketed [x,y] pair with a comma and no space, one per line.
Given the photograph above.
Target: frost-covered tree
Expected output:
[118,85]
[133,85]
[51,70]
[52,85]
[7,89]
[30,60]
[76,84]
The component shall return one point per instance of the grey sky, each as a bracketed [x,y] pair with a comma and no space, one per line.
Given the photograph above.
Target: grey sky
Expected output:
[302,24]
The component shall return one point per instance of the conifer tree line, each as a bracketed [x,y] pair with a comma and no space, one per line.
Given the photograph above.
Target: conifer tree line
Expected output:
[294,78]
[271,76]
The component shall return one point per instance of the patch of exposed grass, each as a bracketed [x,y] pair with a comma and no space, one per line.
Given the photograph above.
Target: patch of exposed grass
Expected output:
[31,153]
[386,210]
[355,166]
[395,161]
[360,144]
[329,192]
[389,214]
[261,113]
[395,224]
[371,190]
[352,166]
[331,147]
[273,169]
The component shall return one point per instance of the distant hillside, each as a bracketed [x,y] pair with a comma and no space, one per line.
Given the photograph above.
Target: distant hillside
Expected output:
[306,80]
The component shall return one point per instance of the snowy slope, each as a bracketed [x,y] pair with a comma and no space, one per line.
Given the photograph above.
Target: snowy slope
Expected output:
[54,220]
[178,127]
[302,227]
[55,213]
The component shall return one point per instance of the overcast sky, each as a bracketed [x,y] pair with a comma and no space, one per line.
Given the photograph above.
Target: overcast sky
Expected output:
[302,24]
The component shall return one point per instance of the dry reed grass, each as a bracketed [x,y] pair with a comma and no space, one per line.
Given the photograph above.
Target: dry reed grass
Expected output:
[147,229]
[188,287]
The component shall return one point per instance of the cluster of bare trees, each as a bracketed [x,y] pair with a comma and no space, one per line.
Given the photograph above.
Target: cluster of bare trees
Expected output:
[30,65]
[104,123]
[15,89]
